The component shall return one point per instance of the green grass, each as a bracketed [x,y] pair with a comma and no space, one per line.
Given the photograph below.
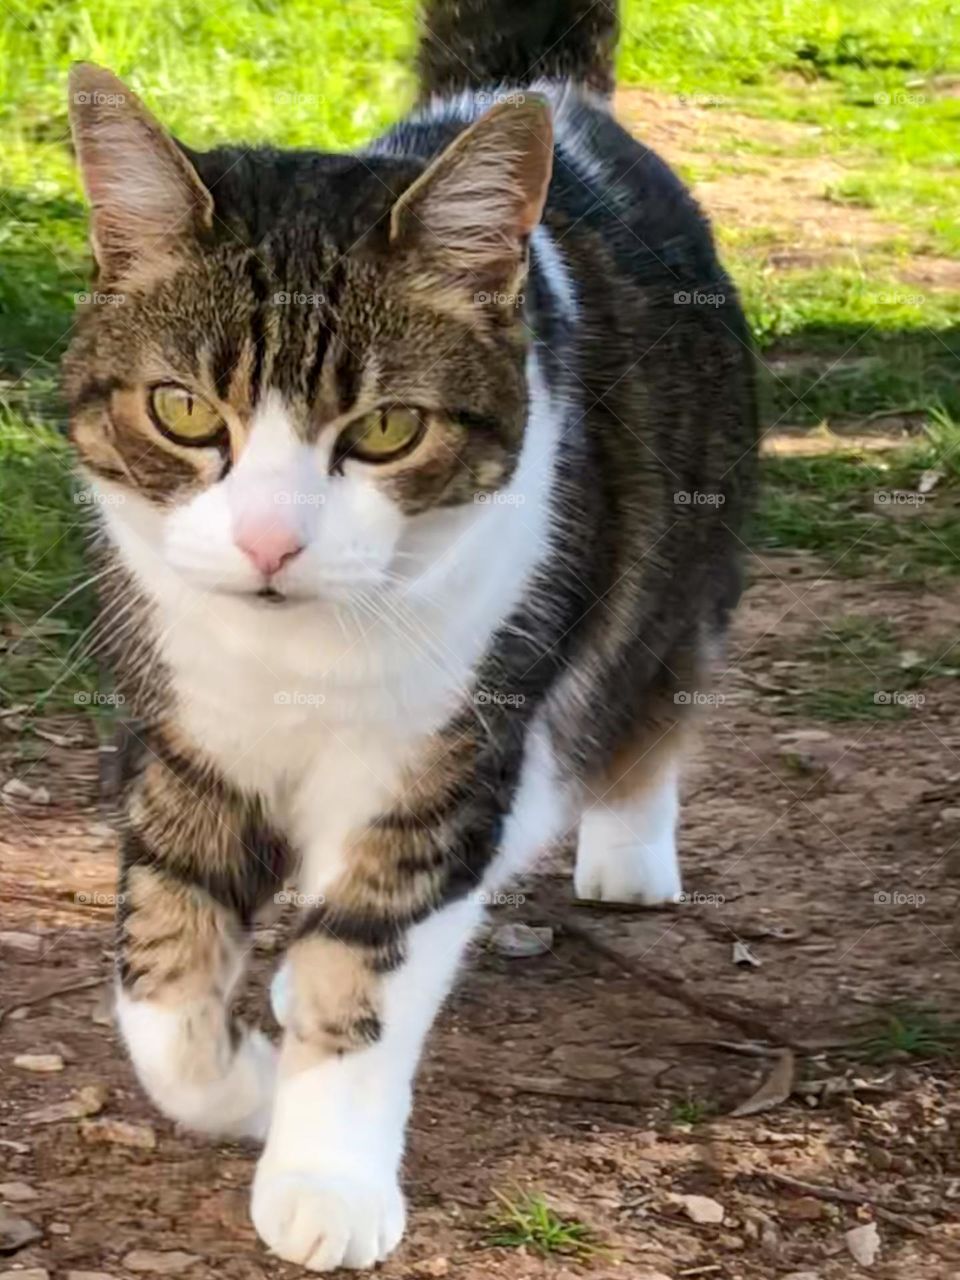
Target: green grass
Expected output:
[857,668]
[528,1222]
[908,1032]
[869,86]
[862,511]
[691,1111]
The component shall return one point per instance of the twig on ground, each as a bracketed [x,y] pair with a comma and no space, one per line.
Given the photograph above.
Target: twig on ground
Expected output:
[676,988]
[81,985]
[820,1192]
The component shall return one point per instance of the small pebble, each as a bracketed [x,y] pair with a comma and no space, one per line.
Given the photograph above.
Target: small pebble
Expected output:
[17,1192]
[163,1264]
[43,1062]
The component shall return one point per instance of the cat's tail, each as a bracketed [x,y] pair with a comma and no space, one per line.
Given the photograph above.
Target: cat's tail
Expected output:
[473,44]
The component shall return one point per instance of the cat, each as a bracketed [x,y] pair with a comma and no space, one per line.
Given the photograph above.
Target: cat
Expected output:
[420,475]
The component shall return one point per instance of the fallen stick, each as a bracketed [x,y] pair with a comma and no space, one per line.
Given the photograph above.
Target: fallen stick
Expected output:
[820,1192]
[676,989]
[82,985]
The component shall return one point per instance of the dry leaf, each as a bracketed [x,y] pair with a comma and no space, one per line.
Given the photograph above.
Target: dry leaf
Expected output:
[777,1087]
[742,955]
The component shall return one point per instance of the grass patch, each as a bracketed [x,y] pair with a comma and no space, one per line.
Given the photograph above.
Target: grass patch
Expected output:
[691,1111]
[528,1222]
[863,511]
[868,84]
[857,669]
[909,1032]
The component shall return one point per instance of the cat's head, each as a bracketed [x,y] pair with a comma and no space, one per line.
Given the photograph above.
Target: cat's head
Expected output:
[290,360]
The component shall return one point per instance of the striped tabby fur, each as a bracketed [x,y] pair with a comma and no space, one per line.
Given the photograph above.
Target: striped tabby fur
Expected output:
[389,683]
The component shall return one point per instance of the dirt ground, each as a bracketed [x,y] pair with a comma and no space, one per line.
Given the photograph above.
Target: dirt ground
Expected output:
[829,854]
[601,1074]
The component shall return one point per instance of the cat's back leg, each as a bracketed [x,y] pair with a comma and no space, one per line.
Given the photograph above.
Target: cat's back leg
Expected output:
[627,838]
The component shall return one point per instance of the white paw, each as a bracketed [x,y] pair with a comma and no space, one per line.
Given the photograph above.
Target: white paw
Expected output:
[629,853]
[188,1065]
[327,1219]
[623,875]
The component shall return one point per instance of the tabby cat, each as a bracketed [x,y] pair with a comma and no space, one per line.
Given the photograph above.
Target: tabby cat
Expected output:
[419,475]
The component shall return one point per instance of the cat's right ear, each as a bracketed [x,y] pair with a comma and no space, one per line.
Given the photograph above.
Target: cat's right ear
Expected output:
[146,199]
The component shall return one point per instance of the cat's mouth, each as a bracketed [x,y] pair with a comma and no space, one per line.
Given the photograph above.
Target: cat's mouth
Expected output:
[271,595]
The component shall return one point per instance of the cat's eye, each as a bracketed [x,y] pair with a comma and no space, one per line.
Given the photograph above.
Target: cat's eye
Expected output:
[185,417]
[382,436]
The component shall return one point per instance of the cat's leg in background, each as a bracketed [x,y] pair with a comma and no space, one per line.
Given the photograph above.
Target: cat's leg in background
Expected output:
[627,841]
[327,1191]
[188,878]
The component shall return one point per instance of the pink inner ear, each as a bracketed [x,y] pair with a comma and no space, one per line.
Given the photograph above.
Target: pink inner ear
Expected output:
[146,198]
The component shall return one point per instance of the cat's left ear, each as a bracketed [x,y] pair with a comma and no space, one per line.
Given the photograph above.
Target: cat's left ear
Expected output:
[465,221]
[146,199]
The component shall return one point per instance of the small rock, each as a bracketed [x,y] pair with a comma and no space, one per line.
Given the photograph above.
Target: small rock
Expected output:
[17,1192]
[42,1062]
[803,1209]
[521,941]
[699,1209]
[90,1275]
[161,1264]
[863,1243]
[948,815]
[16,789]
[26,1273]
[85,1102]
[102,1011]
[432,1268]
[29,942]
[59,1228]
[803,1275]
[16,1232]
[120,1132]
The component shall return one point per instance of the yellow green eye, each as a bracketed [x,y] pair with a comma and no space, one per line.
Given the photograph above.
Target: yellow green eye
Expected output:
[381,436]
[183,416]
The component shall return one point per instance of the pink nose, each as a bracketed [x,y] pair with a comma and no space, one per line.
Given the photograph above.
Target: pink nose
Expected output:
[270,543]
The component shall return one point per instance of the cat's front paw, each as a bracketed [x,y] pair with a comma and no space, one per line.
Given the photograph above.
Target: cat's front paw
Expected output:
[324,1218]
